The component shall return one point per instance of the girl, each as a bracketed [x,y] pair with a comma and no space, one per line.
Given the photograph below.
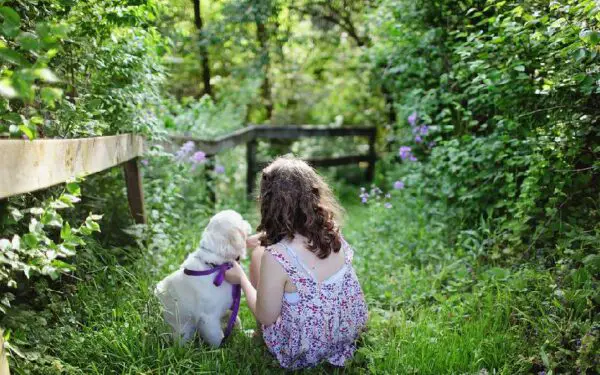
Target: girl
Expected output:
[302,288]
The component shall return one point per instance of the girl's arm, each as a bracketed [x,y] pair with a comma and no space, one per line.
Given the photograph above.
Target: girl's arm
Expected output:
[271,285]
[265,303]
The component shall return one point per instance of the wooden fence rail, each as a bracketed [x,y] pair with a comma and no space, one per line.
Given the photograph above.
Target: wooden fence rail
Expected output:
[251,134]
[27,166]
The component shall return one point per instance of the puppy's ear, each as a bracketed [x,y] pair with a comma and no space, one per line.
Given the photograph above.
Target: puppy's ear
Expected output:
[236,239]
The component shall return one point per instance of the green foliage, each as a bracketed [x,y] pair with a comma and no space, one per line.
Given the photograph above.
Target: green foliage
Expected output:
[206,118]
[47,242]
[72,69]
[483,259]
[28,88]
[433,290]
[510,95]
[433,308]
[501,108]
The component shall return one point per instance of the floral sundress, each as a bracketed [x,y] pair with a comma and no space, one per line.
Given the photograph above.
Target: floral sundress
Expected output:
[325,322]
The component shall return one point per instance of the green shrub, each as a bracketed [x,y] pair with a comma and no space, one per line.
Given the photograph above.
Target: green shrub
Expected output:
[508,93]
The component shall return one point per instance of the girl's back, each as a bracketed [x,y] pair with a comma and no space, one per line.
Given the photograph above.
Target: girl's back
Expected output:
[323,309]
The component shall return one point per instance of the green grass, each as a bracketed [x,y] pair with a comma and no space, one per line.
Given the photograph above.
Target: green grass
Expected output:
[430,313]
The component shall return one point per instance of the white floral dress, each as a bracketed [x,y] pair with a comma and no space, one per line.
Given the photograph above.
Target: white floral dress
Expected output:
[324,323]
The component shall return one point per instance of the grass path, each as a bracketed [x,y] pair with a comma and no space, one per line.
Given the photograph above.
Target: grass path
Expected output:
[426,315]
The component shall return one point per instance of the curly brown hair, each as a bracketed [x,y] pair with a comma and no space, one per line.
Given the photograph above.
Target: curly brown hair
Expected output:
[294,198]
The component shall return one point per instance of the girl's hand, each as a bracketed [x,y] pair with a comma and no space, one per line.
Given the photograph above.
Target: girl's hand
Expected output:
[253,241]
[235,274]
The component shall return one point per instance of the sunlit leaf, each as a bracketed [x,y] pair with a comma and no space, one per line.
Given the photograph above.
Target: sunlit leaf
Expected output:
[13,57]
[46,75]
[28,132]
[6,89]
[11,21]
[28,41]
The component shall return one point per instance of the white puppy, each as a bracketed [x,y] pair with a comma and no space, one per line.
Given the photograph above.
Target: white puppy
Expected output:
[194,303]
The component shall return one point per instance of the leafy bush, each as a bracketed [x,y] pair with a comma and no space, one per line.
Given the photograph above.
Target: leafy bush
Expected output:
[508,93]
[46,243]
[499,105]
[80,69]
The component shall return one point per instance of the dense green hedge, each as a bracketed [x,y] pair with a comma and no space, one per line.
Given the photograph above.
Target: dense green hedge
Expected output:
[82,68]
[501,103]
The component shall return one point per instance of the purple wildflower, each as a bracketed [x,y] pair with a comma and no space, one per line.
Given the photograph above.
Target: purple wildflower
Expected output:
[431,144]
[424,129]
[387,205]
[412,119]
[418,139]
[188,146]
[185,150]
[398,185]
[364,196]
[198,157]
[412,158]
[404,152]
[542,373]
[145,161]
[219,169]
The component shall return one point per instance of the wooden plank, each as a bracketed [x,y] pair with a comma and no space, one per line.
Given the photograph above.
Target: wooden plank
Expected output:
[209,173]
[135,191]
[212,147]
[294,132]
[32,165]
[328,162]
[342,160]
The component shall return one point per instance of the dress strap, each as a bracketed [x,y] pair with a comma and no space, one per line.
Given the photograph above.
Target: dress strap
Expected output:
[297,277]
[348,252]
[298,261]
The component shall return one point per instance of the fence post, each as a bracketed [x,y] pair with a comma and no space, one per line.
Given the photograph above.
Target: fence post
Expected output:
[210,180]
[135,192]
[372,155]
[251,169]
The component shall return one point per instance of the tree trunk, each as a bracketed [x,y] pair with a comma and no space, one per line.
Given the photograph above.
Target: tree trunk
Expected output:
[261,34]
[203,49]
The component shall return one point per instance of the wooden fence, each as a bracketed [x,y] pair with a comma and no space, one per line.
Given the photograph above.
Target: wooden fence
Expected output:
[27,166]
[251,134]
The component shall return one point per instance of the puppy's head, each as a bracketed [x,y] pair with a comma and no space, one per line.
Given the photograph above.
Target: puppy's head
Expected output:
[225,236]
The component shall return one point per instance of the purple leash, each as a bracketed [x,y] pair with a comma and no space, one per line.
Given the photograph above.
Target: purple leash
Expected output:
[236,291]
